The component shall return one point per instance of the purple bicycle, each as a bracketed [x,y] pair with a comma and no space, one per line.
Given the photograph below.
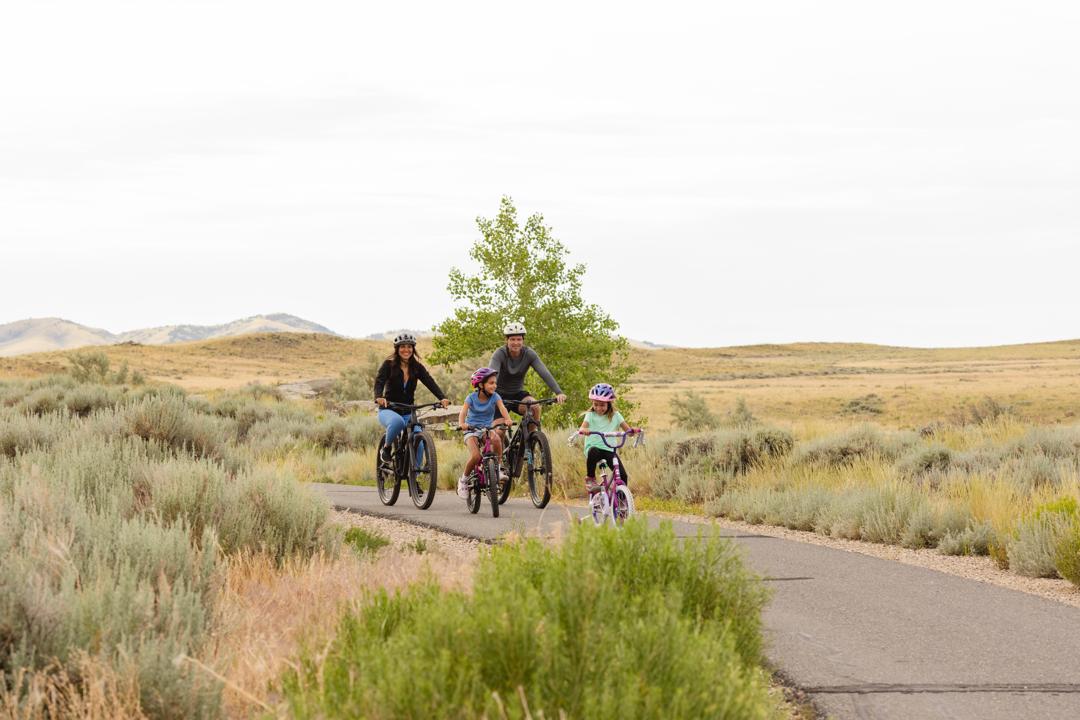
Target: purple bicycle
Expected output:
[485,477]
[613,501]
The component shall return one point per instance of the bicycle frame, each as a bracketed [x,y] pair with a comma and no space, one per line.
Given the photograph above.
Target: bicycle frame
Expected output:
[412,427]
[521,429]
[486,472]
[610,484]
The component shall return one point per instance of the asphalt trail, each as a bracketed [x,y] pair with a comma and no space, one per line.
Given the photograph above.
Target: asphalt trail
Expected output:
[867,638]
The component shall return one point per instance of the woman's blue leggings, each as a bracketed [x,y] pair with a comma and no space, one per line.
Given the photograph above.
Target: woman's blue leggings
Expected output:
[393,423]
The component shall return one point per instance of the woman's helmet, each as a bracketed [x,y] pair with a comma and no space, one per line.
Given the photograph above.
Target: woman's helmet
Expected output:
[513,328]
[404,339]
[481,375]
[602,392]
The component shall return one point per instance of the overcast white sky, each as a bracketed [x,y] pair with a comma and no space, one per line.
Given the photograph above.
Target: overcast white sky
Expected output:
[905,173]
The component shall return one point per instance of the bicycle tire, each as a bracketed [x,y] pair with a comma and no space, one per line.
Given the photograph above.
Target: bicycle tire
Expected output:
[386,478]
[491,472]
[429,469]
[599,511]
[624,505]
[539,448]
[473,500]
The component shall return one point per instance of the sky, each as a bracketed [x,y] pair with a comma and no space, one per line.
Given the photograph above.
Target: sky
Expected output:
[902,173]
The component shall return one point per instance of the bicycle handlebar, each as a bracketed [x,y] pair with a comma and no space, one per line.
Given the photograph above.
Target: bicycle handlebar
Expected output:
[605,435]
[437,403]
[545,401]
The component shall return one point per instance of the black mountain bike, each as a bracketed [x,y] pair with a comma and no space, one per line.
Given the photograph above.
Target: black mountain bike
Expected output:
[528,447]
[412,458]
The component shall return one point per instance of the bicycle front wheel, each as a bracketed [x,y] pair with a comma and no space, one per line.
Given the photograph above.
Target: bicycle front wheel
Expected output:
[539,471]
[473,501]
[386,478]
[624,504]
[423,469]
[491,472]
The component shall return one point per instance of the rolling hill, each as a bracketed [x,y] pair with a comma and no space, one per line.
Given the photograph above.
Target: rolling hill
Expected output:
[47,334]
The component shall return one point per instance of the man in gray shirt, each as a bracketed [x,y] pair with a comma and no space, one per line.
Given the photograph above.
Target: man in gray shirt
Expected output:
[512,361]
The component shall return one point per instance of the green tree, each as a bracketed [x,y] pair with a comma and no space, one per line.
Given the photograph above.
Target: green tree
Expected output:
[524,275]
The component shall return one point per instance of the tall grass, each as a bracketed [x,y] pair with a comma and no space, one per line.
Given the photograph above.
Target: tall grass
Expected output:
[610,624]
[119,508]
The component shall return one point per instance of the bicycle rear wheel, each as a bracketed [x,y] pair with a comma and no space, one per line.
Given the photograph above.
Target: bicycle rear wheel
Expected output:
[539,470]
[624,504]
[423,469]
[508,483]
[491,472]
[386,478]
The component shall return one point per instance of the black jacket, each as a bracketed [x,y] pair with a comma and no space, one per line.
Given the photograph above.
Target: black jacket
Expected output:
[396,391]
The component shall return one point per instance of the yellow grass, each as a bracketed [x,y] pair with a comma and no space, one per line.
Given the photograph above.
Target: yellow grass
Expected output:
[93,691]
[266,613]
[793,382]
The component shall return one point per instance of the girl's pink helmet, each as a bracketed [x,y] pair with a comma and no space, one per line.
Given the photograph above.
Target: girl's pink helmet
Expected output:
[481,375]
[602,392]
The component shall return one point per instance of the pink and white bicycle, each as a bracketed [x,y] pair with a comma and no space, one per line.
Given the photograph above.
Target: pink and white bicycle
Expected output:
[613,501]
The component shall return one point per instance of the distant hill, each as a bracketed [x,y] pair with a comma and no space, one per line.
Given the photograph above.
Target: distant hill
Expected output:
[45,334]
[168,334]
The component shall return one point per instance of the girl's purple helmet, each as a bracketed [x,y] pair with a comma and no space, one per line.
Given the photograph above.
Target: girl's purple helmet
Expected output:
[481,375]
[602,392]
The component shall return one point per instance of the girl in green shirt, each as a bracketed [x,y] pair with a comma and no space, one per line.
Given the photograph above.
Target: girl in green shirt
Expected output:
[602,418]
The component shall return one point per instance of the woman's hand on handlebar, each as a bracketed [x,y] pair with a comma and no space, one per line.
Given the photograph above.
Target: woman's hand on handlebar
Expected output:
[381,402]
[560,398]
[445,402]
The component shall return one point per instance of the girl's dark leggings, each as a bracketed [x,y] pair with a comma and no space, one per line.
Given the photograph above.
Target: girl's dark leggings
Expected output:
[596,455]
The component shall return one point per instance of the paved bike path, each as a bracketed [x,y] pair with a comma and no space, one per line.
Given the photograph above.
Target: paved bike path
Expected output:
[867,638]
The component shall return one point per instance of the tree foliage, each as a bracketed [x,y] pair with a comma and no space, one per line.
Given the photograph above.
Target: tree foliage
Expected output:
[524,274]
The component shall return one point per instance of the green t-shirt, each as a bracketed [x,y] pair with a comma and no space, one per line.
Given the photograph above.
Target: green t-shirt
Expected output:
[601,423]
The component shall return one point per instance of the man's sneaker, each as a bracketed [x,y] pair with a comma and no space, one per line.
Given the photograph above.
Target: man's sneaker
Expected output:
[463,487]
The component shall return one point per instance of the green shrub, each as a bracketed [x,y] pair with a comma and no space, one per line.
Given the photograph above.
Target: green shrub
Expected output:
[1056,443]
[1033,549]
[85,399]
[860,443]
[362,540]
[920,462]
[170,421]
[740,416]
[610,624]
[1032,473]
[972,540]
[1067,552]
[690,412]
[773,442]
[20,434]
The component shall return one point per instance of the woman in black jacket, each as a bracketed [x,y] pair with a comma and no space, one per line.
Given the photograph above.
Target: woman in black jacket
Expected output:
[396,382]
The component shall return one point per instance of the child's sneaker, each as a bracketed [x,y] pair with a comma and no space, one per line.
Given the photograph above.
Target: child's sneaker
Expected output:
[592,486]
[463,487]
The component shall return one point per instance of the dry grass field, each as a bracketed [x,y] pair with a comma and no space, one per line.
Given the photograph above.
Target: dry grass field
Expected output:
[820,380]
[794,383]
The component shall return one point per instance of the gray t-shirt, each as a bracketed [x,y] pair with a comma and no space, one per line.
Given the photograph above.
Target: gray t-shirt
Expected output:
[511,379]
